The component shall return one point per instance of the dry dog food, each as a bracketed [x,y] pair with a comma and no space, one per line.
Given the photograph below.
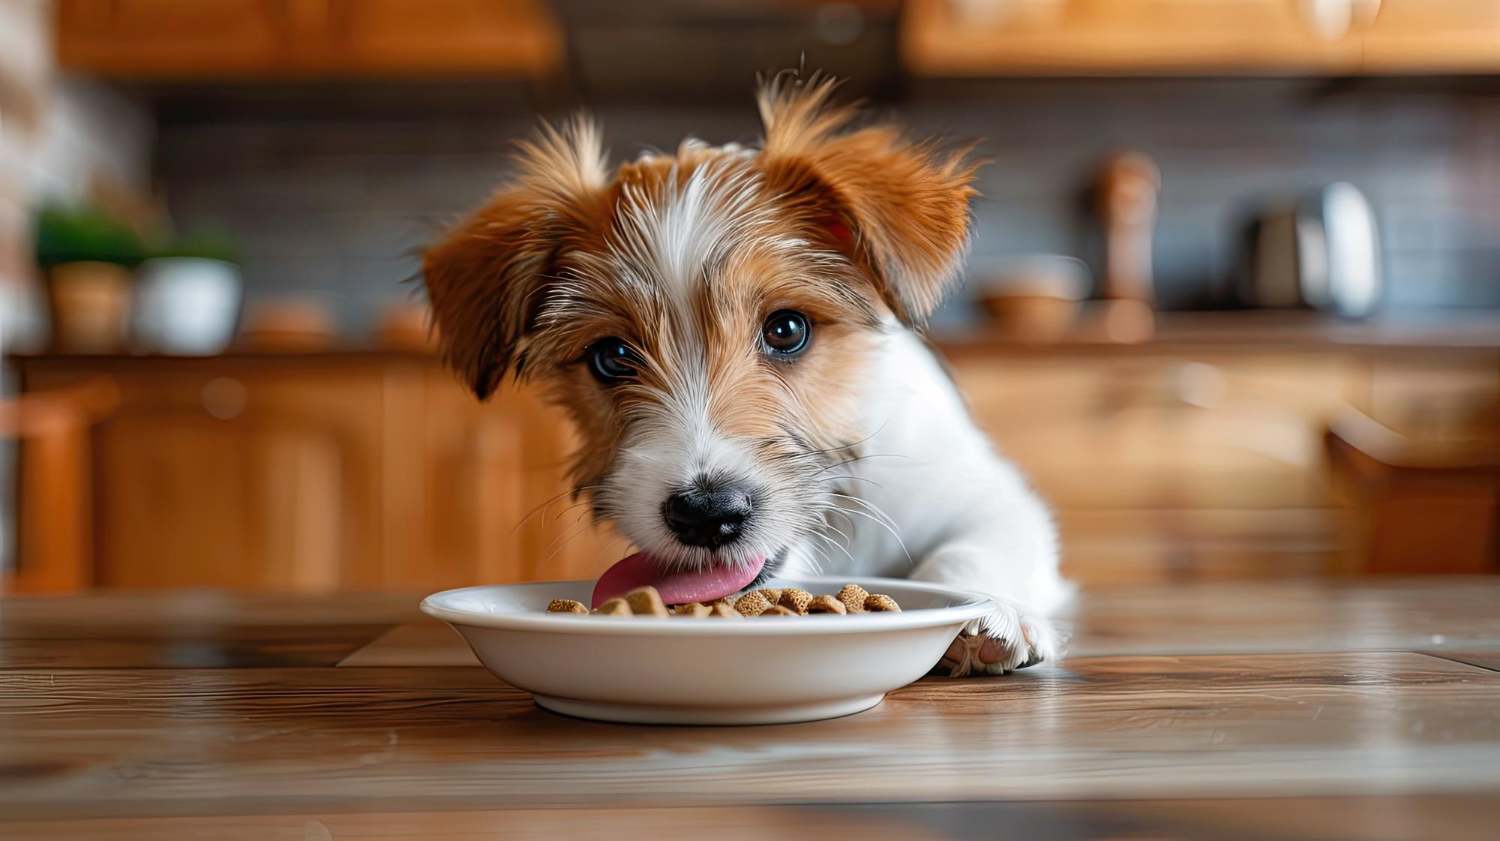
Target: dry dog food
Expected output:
[646,601]
[853,596]
[825,604]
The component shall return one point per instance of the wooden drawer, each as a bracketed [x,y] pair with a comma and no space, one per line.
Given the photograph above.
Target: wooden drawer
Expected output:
[1162,432]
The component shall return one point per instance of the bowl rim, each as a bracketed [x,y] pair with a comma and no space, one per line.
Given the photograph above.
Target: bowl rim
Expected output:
[971,605]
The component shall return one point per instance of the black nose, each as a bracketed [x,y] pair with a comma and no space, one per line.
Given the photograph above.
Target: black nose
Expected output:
[707,516]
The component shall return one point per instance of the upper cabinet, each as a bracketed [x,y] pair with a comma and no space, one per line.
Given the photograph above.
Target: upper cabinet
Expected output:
[1432,36]
[170,37]
[193,39]
[1150,37]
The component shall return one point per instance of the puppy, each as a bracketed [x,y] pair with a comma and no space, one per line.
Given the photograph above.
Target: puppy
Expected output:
[736,332]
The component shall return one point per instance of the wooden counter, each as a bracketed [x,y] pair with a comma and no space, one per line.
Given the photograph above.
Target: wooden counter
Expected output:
[1254,710]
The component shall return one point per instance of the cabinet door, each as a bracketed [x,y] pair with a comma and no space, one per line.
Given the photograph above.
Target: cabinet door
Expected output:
[437,36]
[263,38]
[995,37]
[1166,466]
[242,482]
[172,37]
[1458,36]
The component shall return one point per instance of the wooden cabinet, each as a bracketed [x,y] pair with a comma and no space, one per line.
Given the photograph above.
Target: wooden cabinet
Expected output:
[947,38]
[192,39]
[1435,36]
[1205,461]
[1084,37]
[1200,456]
[321,473]
[1198,464]
[172,37]
[438,36]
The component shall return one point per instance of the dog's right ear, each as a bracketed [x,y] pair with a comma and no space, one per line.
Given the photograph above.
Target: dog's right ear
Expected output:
[488,275]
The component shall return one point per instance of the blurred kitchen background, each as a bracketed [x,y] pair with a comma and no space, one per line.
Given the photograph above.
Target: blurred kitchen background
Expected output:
[1234,299]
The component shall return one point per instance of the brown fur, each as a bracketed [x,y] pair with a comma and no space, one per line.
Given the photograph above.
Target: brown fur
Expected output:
[845,226]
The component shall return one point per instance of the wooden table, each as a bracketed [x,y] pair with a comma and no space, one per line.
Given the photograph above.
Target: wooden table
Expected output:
[1288,710]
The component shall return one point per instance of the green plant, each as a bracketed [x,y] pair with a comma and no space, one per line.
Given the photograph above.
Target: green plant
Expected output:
[208,244]
[69,235]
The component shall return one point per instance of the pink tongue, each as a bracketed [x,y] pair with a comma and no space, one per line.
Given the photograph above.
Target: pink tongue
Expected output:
[641,569]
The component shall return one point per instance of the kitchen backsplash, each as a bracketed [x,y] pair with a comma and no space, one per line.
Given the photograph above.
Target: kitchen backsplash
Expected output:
[334,208]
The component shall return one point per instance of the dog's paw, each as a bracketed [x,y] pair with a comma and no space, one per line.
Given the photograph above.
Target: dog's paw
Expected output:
[1006,640]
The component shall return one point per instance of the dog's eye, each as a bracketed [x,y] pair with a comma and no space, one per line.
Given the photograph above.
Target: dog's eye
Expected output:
[786,333]
[612,360]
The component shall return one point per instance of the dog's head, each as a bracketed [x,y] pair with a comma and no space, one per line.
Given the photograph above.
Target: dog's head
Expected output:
[709,319]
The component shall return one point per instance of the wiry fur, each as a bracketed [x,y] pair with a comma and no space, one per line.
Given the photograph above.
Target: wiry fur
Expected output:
[859,455]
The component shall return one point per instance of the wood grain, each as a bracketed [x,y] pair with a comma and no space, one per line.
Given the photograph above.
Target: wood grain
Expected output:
[103,615]
[1257,616]
[217,647]
[243,740]
[1452,817]
[1483,659]
[1224,694]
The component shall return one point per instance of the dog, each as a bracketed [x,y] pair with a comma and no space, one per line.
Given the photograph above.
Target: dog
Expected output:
[737,333]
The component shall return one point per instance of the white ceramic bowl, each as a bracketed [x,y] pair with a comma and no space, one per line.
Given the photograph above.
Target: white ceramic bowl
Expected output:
[757,670]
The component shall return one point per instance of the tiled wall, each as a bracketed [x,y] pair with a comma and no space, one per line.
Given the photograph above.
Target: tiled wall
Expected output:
[333,208]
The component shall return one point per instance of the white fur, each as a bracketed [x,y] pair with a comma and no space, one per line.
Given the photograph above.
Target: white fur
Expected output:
[953,510]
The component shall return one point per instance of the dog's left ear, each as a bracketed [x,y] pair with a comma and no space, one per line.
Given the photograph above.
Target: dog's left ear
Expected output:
[899,209]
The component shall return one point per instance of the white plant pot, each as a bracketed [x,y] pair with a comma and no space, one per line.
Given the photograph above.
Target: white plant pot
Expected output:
[187,306]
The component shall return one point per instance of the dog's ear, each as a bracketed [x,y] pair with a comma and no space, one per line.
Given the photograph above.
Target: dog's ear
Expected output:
[487,276]
[899,209]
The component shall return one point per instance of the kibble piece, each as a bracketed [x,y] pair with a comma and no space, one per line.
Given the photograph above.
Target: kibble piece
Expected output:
[720,610]
[795,600]
[826,604]
[772,596]
[645,601]
[752,604]
[853,596]
[613,607]
[696,610]
[778,610]
[566,606]
[877,603]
